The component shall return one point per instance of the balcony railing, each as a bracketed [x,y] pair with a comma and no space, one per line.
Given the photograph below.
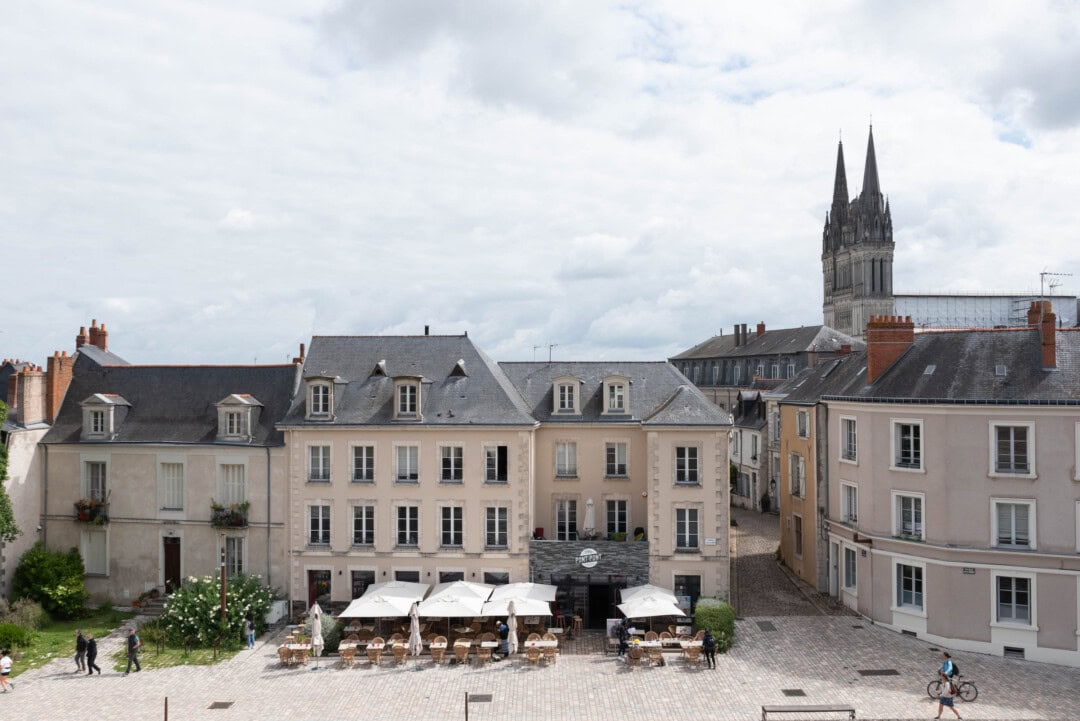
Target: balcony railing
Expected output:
[234,515]
[88,510]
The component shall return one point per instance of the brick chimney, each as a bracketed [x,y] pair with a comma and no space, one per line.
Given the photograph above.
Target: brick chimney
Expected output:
[737,344]
[31,395]
[299,360]
[761,328]
[81,339]
[13,395]
[99,336]
[58,374]
[887,337]
[1041,315]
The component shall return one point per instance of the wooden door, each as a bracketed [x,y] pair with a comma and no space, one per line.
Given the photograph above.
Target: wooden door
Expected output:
[172,563]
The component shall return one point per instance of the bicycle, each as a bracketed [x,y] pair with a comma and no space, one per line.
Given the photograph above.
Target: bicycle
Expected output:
[965,690]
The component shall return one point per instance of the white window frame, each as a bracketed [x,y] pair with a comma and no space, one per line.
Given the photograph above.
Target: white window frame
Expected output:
[802,423]
[993,471]
[849,491]
[797,475]
[1033,606]
[853,565]
[226,495]
[894,437]
[165,494]
[407,400]
[849,442]
[455,454]
[895,510]
[97,421]
[235,563]
[235,423]
[683,538]
[456,519]
[415,508]
[501,517]
[567,396]
[1030,503]
[736,437]
[319,462]
[320,409]
[408,470]
[895,600]
[775,370]
[615,398]
[563,507]
[754,447]
[797,530]
[691,463]
[566,459]
[367,526]
[610,521]
[325,518]
[790,370]
[87,482]
[368,460]
[612,468]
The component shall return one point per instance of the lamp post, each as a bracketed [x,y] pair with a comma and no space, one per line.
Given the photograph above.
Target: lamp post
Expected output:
[223,577]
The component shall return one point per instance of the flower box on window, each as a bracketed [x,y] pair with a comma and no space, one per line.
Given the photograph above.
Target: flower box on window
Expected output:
[89,510]
[235,515]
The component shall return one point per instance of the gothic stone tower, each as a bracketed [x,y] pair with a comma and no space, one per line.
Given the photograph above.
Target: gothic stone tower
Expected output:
[857,251]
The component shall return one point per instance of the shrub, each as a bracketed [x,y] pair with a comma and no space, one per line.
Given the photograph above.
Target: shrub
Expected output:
[152,633]
[332,629]
[12,635]
[52,578]
[24,612]
[719,617]
[192,616]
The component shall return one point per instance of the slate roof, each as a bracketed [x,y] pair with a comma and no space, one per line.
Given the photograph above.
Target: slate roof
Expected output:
[99,357]
[658,393]
[483,396]
[175,404]
[839,376]
[820,338]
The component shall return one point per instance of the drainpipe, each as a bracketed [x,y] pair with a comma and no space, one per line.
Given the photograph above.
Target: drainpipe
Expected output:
[45,501]
[268,516]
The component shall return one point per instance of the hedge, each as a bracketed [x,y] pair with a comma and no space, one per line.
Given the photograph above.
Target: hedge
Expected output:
[718,617]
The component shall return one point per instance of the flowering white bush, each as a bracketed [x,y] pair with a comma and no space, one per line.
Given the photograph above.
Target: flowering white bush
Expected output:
[192,614]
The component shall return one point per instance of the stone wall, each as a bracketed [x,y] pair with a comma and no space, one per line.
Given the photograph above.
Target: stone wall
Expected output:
[627,559]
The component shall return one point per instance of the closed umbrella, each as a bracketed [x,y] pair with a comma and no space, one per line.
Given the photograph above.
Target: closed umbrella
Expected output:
[590,517]
[316,631]
[416,644]
[511,621]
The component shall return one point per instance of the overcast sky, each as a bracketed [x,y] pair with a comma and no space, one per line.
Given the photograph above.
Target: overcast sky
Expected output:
[217,181]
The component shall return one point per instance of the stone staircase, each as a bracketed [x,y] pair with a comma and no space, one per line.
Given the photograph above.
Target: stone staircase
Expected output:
[153,607]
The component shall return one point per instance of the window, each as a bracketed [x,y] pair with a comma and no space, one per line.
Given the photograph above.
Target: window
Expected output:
[95,553]
[908,516]
[1013,600]
[566,520]
[408,464]
[495,535]
[451,526]
[172,486]
[907,445]
[407,576]
[319,525]
[848,439]
[686,529]
[496,578]
[802,423]
[363,526]
[796,523]
[616,459]
[567,402]
[95,481]
[566,459]
[797,469]
[790,370]
[320,399]
[753,446]
[408,525]
[97,422]
[760,371]
[616,398]
[735,373]
[495,464]
[849,498]
[452,457]
[775,370]
[736,437]
[1011,453]
[451,576]
[363,465]
[319,463]
[234,555]
[234,423]
[360,582]
[689,586]
[686,464]
[616,516]
[1014,524]
[850,568]
[233,483]
[909,586]
[407,399]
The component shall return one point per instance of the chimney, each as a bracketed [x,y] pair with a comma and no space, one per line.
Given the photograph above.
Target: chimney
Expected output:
[31,395]
[736,335]
[427,330]
[300,358]
[13,394]
[887,337]
[58,374]
[845,349]
[99,336]
[81,339]
[742,331]
[761,329]
[1041,315]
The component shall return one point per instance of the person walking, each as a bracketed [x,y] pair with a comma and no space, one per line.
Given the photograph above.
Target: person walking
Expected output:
[91,655]
[622,634]
[708,645]
[5,670]
[80,651]
[133,644]
[504,639]
[948,694]
[249,631]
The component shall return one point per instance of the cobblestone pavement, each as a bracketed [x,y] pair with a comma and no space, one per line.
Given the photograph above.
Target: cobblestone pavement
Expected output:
[819,655]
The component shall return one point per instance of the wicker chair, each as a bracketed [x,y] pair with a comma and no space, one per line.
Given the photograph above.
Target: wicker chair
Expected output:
[484,654]
[634,655]
[374,655]
[665,635]
[438,655]
[364,635]
[693,655]
[700,635]
[532,655]
[348,656]
[652,636]
[300,656]
[401,652]
[461,650]
[353,637]
[684,639]
[476,626]
[551,653]
[284,655]
[394,638]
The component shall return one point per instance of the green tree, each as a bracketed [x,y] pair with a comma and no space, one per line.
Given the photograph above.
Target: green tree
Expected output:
[9,530]
[52,578]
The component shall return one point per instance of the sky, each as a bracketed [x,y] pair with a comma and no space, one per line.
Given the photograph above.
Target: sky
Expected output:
[219,181]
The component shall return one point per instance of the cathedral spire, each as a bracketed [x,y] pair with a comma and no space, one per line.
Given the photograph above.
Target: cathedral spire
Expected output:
[840,192]
[871,188]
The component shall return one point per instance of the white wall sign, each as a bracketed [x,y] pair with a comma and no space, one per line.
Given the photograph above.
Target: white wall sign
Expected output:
[588,558]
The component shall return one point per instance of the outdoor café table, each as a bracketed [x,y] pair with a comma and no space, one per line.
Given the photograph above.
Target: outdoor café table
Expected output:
[674,642]
[691,644]
[345,645]
[541,644]
[487,644]
[556,630]
[649,644]
[298,646]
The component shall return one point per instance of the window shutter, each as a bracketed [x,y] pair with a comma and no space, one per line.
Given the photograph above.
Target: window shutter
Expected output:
[1005,523]
[1021,521]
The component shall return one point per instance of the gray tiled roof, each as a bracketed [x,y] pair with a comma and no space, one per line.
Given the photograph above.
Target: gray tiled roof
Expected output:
[101,357]
[175,404]
[658,393]
[483,396]
[818,338]
[839,376]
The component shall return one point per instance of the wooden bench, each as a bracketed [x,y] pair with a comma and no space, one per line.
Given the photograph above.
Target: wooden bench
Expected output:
[818,708]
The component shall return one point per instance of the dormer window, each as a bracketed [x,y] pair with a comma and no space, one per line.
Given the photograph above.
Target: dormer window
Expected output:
[615,395]
[407,400]
[234,423]
[567,396]
[319,399]
[103,414]
[237,416]
[97,423]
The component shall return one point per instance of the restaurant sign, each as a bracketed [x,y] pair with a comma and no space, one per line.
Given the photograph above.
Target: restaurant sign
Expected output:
[588,558]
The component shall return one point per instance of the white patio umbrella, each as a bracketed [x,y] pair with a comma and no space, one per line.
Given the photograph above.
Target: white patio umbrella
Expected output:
[650,606]
[629,594]
[452,603]
[462,588]
[531,591]
[590,516]
[522,607]
[416,644]
[392,599]
[511,621]
[316,631]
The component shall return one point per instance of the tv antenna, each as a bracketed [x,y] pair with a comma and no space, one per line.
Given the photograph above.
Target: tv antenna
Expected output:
[550,347]
[1052,283]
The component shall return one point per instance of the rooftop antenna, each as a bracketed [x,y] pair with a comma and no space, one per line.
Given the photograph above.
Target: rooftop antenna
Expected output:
[534,351]
[1052,283]
[550,346]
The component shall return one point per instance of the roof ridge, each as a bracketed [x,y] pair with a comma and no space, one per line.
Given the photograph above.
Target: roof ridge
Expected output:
[198,365]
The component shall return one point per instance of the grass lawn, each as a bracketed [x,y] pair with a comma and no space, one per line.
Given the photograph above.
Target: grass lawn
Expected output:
[150,657]
[57,638]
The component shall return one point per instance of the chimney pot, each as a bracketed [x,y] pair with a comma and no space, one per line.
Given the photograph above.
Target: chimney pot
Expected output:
[1048,334]
[761,328]
[427,330]
[736,335]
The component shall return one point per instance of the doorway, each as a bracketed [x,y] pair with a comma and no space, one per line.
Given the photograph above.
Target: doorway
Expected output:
[599,608]
[834,569]
[318,588]
[171,559]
